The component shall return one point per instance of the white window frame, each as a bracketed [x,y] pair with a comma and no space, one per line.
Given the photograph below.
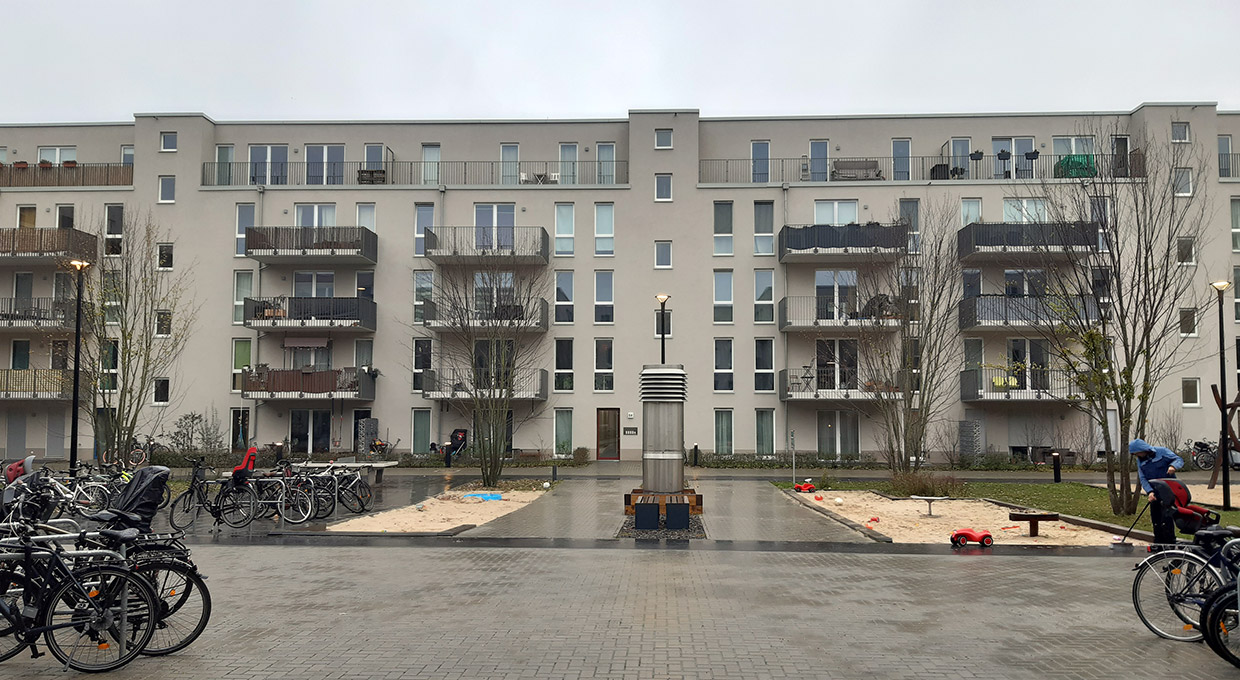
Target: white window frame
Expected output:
[667,314]
[1226,168]
[126,150]
[1196,325]
[567,304]
[117,238]
[723,241]
[964,220]
[58,154]
[111,304]
[721,301]
[763,241]
[604,371]
[1192,259]
[669,264]
[835,204]
[565,230]
[610,301]
[163,314]
[1175,181]
[419,229]
[1188,133]
[1196,383]
[155,392]
[669,138]
[419,309]
[373,210]
[604,239]
[159,256]
[1073,142]
[166,182]
[568,168]
[61,210]
[1235,282]
[763,371]
[555,433]
[731,430]
[657,177]
[432,155]
[232,359]
[729,370]
[164,137]
[238,299]
[757,295]
[557,371]
[240,235]
[510,170]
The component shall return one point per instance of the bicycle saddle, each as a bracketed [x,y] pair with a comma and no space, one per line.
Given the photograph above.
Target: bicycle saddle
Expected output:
[123,537]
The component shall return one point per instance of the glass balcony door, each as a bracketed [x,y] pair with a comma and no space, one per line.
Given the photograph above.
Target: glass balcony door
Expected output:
[494,226]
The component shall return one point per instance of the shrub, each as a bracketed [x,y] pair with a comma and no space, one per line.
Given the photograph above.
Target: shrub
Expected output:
[581,455]
[925,484]
[826,481]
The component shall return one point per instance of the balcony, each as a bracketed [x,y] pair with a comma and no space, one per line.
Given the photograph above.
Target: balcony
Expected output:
[1005,385]
[823,314]
[824,243]
[418,173]
[1008,240]
[532,317]
[983,167]
[310,313]
[67,175]
[810,384]
[40,313]
[456,385]
[30,245]
[308,383]
[502,246]
[1229,166]
[36,384]
[1030,312]
[312,245]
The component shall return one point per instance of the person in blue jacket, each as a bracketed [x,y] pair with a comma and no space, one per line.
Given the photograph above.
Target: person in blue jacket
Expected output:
[1156,462]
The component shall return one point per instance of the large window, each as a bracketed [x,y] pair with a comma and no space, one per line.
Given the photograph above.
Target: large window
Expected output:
[604,366]
[423,290]
[564,228]
[723,432]
[114,230]
[563,297]
[324,164]
[1183,181]
[819,153]
[763,228]
[836,362]
[269,164]
[764,365]
[839,435]
[900,159]
[1024,210]
[723,227]
[430,164]
[970,211]
[724,381]
[835,212]
[243,287]
[764,296]
[765,426]
[57,154]
[563,432]
[366,216]
[564,364]
[245,220]
[604,229]
[424,218]
[835,293]
[568,163]
[1190,391]
[604,297]
[494,226]
[240,362]
[723,296]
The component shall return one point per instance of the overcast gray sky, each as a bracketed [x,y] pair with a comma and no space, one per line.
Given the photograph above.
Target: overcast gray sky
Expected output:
[258,59]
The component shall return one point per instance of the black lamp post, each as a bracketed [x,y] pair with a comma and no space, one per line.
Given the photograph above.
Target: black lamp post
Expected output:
[663,298]
[80,266]
[1224,443]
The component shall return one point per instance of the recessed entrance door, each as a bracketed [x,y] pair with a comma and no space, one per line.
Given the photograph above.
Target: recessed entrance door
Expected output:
[309,430]
[608,434]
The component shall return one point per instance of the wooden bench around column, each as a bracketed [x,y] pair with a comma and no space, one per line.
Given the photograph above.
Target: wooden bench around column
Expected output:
[1033,518]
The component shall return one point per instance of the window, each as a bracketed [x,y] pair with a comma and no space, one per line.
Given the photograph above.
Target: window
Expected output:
[1182,181]
[509,164]
[1225,167]
[1188,323]
[4,154]
[114,229]
[564,228]
[314,284]
[1235,282]
[241,361]
[245,220]
[836,365]
[723,432]
[1024,210]
[269,164]
[764,296]
[663,187]
[723,296]
[604,369]
[243,287]
[835,293]
[64,216]
[563,432]
[839,435]
[835,212]
[764,365]
[604,229]
[564,364]
[126,154]
[20,358]
[563,297]
[1189,392]
[606,163]
[374,157]
[423,287]
[763,228]
[604,298]
[109,365]
[421,362]
[960,157]
[430,164]
[424,218]
[910,210]
[26,216]
[723,365]
[163,323]
[901,150]
[723,227]
[1099,213]
[1017,165]
[363,352]
[760,155]
[57,154]
[662,254]
[970,211]
[662,323]
[365,282]
[1069,146]
[162,388]
[1185,252]
[663,138]
[164,262]
[167,189]
[1180,132]
[495,226]
[765,422]
[167,141]
[60,355]
[324,164]
[112,293]
[568,163]
[366,215]
[819,152]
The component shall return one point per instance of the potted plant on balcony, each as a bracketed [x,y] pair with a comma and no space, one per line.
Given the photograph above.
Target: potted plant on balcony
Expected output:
[976,156]
[70,164]
[45,164]
[1004,154]
[21,164]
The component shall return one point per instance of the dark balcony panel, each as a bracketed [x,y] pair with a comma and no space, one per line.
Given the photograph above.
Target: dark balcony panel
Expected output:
[457,385]
[306,245]
[1026,311]
[414,173]
[66,244]
[1014,238]
[802,312]
[40,312]
[296,383]
[496,245]
[1018,385]
[290,313]
[810,242]
[67,175]
[529,317]
[50,384]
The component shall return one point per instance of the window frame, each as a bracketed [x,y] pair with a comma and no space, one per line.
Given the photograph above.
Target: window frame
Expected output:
[1188,132]
[606,372]
[238,370]
[163,322]
[758,302]
[763,237]
[162,186]
[559,371]
[731,431]
[670,261]
[1192,251]
[240,235]
[599,236]
[373,209]
[600,304]
[418,371]
[665,324]
[758,371]
[754,160]
[729,371]
[1175,181]
[419,300]
[963,221]
[1196,383]
[239,300]
[670,140]
[670,192]
[167,392]
[720,303]
[758,413]
[66,212]
[159,257]
[112,372]
[565,230]
[109,237]
[1189,313]
[723,233]
[571,295]
[163,141]
[555,432]
[419,229]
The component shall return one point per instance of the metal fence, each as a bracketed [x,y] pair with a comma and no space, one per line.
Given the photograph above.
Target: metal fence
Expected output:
[36,383]
[1024,383]
[38,312]
[485,383]
[814,310]
[1229,165]
[306,240]
[1025,310]
[310,311]
[473,242]
[531,314]
[66,175]
[411,173]
[307,383]
[45,242]
[810,237]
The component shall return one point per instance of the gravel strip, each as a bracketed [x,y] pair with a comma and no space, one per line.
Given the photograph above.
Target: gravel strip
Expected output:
[695,530]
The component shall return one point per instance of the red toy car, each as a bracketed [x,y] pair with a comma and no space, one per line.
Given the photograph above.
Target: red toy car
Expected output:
[961,537]
[803,488]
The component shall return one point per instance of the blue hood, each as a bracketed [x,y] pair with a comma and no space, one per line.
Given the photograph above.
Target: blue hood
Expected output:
[1139,446]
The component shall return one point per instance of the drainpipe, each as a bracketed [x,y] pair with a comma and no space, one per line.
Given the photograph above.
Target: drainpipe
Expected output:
[784,336]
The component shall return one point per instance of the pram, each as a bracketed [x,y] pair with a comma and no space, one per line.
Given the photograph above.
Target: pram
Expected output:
[1189,518]
[138,502]
[455,446]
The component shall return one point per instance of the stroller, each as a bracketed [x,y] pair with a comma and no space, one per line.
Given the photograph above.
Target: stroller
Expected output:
[138,502]
[1188,518]
[455,446]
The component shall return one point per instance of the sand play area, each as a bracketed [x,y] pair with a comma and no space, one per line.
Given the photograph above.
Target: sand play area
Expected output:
[443,512]
[905,521]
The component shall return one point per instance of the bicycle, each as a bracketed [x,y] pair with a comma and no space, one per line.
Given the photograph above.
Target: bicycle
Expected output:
[1172,585]
[235,504]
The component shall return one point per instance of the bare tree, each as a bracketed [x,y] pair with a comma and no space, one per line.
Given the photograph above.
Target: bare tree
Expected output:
[139,302]
[1167,428]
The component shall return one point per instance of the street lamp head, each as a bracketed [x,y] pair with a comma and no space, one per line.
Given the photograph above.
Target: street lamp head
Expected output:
[79,264]
[1221,286]
[663,298]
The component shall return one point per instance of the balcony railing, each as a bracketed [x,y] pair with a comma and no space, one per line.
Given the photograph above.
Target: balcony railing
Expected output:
[415,173]
[39,312]
[340,313]
[1009,238]
[531,316]
[808,242]
[827,384]
[1024,384]
[305,244]
[308,383]
[516,385]
[1229,165]
[75,175]
[1003,311]
[814,312]
[47,243]
[475,245]
[1015,167]
[36,383]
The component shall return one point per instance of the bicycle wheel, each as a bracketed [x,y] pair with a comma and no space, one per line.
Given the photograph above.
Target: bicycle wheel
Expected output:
[1219,619]
[136,457]
[362,489]
[93,498]
[268,498]
[183,605]
[185,510]
[110,617]
[1168,591]
[237,505]
[350,500]
[17,592]
[1204,461]
[165,498]
[324,499]
[296,505]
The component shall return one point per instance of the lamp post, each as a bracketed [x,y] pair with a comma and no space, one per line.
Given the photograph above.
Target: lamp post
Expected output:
[663,298]
[80,266]
[1224,443]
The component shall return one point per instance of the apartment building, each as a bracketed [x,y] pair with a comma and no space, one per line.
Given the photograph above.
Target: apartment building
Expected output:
[316,249]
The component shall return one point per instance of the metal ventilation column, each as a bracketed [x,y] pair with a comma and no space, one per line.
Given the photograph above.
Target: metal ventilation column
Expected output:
[664,389]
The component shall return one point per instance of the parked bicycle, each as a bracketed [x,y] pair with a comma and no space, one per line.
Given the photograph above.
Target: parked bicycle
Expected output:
[234,504]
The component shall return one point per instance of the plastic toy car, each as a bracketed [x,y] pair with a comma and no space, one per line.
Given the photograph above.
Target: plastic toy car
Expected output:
[961,537]
[803,488]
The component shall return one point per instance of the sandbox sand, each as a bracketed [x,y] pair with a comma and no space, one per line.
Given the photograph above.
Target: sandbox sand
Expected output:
[445,511]
[905,521]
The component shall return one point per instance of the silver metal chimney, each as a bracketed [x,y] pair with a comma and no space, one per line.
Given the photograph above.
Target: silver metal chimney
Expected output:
[664,389]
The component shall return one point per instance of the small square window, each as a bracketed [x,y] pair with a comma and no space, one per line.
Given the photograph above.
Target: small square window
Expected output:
[167,189]
[1180,132]
[1185,253]
[1182,181]
[167,141]
[162,389]
[662,254]
[663,138]
[663,187]
[165,256]
[1188,323]
[1189,393]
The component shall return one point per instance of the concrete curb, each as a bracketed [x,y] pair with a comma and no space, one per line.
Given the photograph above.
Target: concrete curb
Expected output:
[371,534]
[868,533]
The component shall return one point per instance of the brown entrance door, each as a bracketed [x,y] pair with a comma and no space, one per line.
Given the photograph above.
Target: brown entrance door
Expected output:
[608,434]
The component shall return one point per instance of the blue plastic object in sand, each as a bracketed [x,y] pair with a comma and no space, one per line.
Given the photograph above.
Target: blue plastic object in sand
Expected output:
[485,496]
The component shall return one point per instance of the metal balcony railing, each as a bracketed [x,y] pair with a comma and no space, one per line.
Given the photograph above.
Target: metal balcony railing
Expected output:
[1002,311]
[413,173]
[310,312]
[48,242]
[1033,166]
[809,311]
[1017,384]
[1027,237]
[516,384]
[36,383]
[860,239]
[308,383]
[516,245]
[318,242]
[444,315]
[66,175]
[1229,165]
[39,312]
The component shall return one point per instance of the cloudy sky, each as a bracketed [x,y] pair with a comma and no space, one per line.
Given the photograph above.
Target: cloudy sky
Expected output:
[263,59]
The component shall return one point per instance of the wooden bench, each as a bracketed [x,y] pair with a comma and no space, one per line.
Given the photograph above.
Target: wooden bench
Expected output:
[688,496]
[1033,518]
